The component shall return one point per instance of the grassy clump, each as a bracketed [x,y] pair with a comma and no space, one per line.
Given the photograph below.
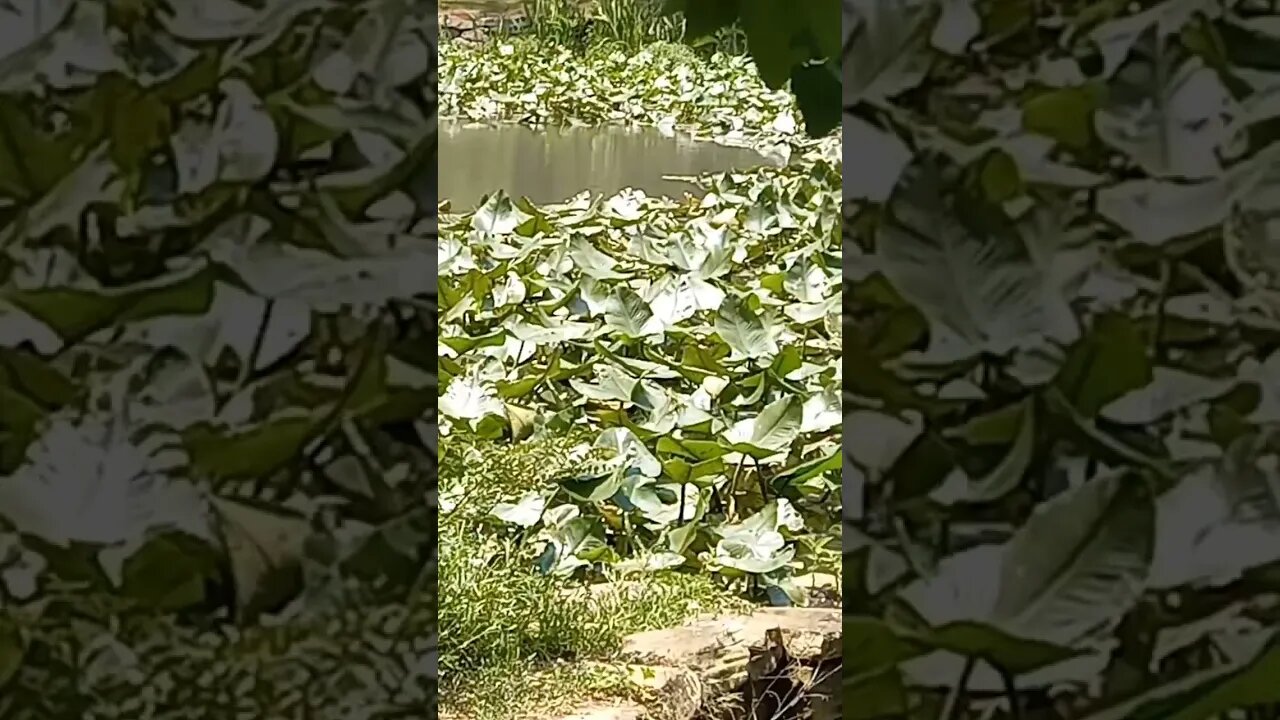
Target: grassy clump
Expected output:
[497,610]
[630,23]
[627,24]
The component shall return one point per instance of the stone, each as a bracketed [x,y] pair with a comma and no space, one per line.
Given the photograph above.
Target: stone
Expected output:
[676,693]
[748,660]
[474,26]
[706,641]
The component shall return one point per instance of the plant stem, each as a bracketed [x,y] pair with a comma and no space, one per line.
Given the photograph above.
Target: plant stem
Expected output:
[1167,270]
[952,709]
[1011,691]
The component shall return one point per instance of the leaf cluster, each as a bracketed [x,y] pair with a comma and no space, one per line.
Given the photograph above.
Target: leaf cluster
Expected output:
[1060,359]
[688,346]
[217,282]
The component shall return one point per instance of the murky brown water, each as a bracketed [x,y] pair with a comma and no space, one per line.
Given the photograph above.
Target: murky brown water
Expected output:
[556,164]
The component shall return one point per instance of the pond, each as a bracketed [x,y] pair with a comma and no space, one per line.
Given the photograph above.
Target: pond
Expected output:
[553,165]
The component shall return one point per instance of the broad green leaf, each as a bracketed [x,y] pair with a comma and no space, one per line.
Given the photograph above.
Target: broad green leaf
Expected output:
[977,640]
[595,487]
[821,412]
[238,146]
[886,53]
[874,160]
[630,316]
[323,281]
[526,512]
[248,451]
[957,25]
[1116,38]
[1064,114]
[1220,521]
[1100,539]
[1003,478]
[470,399]
[1171,390]
[75,313]
[754,545]
[773,430]
[1156,211]
[676,299]
[498,215]
[169,573]
[87,482]
[876,440]
[1076,565]
[980,292]
[1173,122]
[744,331]
[265,548]
[1107,364]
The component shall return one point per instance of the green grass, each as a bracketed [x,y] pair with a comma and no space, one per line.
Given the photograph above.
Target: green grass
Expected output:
[627,24]
[522,692]
[636,23]
[513,638]
[506,629]
[497,609]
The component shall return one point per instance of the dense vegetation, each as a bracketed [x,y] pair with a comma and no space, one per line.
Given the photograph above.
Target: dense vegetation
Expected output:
[1061,355]
[640,395]
[217,283]
[217,392]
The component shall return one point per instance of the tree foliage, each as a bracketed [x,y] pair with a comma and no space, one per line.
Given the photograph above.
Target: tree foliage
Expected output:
[1061,345]
[217,282]
[790,42]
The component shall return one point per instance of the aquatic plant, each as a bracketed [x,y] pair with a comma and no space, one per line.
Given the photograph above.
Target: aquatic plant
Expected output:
[1061,347]
[216,375]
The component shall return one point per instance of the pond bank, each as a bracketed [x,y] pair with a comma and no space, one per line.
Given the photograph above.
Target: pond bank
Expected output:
[476,24]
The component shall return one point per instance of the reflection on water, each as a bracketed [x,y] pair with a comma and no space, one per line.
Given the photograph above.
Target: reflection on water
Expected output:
[556,164]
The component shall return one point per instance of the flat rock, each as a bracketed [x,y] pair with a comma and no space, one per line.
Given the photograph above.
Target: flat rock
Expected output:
[676,692]
[810,634]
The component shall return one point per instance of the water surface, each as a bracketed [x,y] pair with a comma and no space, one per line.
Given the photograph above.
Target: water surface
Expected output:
[553,165]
